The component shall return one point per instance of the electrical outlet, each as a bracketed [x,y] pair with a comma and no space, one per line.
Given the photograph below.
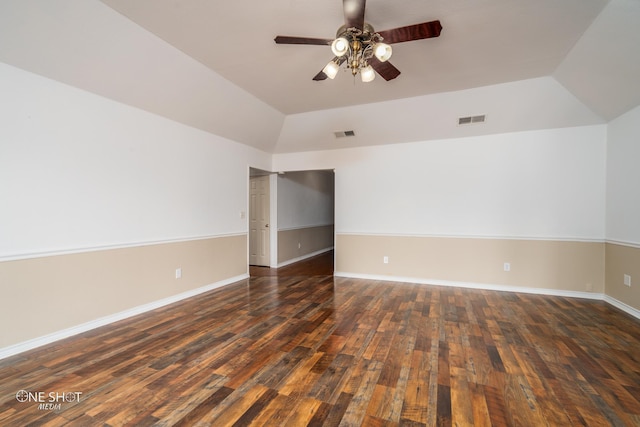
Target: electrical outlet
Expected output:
[178,273]
[385,259]
[627,280]
[507,266]
[299,245]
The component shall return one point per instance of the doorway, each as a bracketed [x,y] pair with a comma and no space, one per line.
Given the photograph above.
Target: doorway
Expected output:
[290,216]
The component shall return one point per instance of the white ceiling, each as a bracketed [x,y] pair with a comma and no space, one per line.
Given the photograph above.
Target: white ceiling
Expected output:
[483,42]
[527,64]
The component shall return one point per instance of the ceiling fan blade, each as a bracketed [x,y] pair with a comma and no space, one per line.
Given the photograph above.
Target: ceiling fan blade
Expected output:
[354,13]
[385,69]
[302,40]
[425,30]
[322,76]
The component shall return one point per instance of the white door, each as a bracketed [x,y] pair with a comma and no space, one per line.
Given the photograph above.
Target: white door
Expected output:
[259,221]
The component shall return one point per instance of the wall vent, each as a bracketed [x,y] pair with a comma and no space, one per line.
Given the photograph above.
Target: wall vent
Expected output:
[471,119]
[344,134]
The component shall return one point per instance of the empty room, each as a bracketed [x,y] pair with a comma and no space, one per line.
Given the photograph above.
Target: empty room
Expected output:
[356,213]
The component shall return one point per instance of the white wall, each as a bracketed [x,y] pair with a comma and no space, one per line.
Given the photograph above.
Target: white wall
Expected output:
[623,178]
[536,184]
[79,171]
[305,199]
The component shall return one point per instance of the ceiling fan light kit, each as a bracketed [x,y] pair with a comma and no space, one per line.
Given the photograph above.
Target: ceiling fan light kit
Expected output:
[365,51]
[358,47]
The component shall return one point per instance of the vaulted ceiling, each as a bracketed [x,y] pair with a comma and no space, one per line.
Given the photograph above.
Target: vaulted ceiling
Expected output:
[483,42]
[214,65]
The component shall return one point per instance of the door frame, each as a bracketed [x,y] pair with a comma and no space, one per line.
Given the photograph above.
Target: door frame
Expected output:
[273,213]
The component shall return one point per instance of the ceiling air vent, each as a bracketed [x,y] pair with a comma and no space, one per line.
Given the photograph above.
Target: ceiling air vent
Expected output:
[344,134]
[471,119]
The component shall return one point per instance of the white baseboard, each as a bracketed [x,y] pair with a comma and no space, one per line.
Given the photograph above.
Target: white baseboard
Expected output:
[472,285]
[302,258]
[65,333]
[540,291]
[622,306]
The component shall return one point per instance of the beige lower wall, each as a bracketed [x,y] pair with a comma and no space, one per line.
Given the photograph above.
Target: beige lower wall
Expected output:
[310,240]
[621,260]
[44,295]
[557,265]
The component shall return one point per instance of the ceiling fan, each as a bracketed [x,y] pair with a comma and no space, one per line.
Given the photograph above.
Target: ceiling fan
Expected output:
[364,50]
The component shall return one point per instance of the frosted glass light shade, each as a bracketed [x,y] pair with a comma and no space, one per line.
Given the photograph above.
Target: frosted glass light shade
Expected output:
[382,51]
[331,69]
[367,74]
[340,46]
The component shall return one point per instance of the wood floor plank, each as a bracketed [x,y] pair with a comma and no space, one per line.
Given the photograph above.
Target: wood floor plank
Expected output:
[414,407]
[357,408]
[380,402]
[304,411]
[329,385]
[353,382]
[460,398]
[302,379]
[296,346]
[479,407]
[191,401]
[199,412]
[238,405]
[399,393]
[336,413]
[275,412]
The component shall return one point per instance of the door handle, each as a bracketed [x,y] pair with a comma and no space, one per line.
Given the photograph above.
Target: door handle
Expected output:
[266,226]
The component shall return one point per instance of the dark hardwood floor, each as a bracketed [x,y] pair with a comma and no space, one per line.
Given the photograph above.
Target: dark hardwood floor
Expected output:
[298,347]
[321,265]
